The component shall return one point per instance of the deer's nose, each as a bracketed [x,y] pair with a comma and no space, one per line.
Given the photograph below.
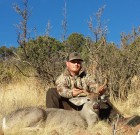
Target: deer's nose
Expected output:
[96,106]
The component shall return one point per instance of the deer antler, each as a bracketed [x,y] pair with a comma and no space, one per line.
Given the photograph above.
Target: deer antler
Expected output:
[85,93]
[100,88]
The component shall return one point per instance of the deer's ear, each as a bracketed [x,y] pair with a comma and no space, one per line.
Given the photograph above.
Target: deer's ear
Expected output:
[78,101]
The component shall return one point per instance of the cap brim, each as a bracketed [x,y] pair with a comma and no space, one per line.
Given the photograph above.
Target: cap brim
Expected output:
[76,59]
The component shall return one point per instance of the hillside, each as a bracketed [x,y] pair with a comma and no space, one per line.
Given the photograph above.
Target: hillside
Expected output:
[26,77]
[31,92]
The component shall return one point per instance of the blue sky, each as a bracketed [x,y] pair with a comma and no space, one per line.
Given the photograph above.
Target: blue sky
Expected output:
[122,16]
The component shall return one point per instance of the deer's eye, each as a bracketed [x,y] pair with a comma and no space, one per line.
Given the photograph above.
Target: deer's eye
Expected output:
[88,99]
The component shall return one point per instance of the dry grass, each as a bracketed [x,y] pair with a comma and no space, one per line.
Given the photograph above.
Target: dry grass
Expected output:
[131,106]
[101,128]
[31,92]
[23,94]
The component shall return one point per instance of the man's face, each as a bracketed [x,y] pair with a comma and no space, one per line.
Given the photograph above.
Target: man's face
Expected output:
[74,66]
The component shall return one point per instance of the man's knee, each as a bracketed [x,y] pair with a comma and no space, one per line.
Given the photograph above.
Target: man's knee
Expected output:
[52,98]
[51,91]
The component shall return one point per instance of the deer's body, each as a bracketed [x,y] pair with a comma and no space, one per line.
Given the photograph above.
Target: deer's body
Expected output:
[22,118]
[85,118]
[36,117]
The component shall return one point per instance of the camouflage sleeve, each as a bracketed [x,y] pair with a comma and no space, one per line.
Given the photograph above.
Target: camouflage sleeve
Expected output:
[91,82]
[62,87]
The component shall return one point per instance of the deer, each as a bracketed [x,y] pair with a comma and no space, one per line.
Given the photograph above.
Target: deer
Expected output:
[35,117]
[87,117]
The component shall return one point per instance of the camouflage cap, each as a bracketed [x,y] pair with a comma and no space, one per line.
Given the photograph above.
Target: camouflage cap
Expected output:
[74,56]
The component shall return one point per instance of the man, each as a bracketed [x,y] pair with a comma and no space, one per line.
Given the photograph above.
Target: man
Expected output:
[72,82]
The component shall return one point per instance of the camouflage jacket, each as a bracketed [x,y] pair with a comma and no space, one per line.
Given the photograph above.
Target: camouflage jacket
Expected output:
[65,83]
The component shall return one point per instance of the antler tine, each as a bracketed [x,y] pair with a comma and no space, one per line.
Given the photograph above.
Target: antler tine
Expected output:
[85,93]
[105,83]
[102,86]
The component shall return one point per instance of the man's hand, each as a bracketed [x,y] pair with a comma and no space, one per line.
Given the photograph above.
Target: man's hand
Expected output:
[76,92]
